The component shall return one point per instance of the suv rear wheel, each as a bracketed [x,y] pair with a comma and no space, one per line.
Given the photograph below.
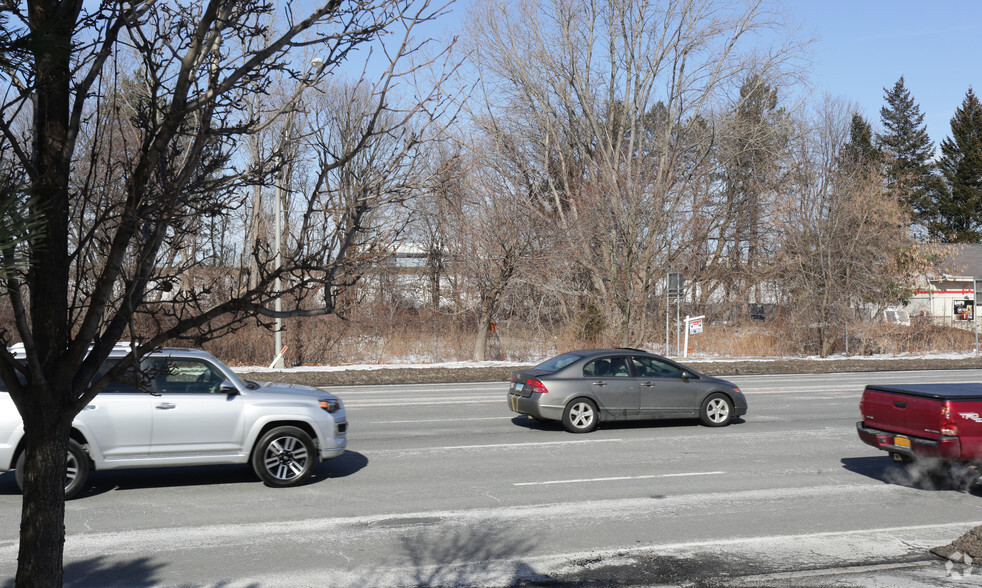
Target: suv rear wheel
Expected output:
[284,456]
[76,472]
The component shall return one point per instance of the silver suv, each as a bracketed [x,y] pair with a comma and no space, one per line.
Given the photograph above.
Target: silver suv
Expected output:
[193,411]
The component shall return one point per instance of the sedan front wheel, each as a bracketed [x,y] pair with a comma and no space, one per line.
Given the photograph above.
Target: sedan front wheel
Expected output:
[717,411]
[580,416]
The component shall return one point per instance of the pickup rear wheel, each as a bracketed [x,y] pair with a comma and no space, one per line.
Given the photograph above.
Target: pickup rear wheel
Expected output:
[284,456]
[717,410]
[76,470]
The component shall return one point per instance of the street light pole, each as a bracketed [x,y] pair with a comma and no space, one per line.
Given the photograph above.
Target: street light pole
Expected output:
[316,64]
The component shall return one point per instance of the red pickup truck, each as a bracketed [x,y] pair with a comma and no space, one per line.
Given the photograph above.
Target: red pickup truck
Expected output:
[924,420]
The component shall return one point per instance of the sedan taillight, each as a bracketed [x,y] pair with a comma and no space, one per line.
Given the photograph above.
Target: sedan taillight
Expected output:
[537,387]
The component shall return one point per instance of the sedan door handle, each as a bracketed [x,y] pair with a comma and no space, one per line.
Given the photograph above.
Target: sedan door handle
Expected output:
[89,407]
[166,406]
[648,384]
[600,383]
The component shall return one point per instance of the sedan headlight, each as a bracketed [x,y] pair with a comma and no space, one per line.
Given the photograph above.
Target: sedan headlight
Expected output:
[331,405]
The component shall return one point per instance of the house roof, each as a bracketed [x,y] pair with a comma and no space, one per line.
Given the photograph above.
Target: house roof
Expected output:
[966,260]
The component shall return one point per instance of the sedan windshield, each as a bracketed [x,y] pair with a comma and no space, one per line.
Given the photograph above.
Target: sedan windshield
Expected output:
[557,363]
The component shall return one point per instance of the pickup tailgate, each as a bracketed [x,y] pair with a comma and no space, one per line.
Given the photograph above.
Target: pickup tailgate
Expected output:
[897,410]
[948,415]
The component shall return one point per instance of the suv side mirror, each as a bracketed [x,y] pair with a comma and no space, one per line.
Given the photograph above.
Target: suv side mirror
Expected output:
[227,387]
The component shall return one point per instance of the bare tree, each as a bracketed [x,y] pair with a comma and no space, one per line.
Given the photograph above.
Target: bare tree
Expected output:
[752,156]
[609,111]
[843,237]
[495,236]
[125,123]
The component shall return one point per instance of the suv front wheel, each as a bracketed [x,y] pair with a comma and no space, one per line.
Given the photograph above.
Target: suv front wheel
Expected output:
[284,456]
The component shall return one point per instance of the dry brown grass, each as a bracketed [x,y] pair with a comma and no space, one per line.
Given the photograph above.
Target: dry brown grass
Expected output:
[425,338]
[382,335]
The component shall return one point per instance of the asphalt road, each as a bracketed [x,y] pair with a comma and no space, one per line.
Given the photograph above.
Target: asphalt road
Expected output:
[442,486]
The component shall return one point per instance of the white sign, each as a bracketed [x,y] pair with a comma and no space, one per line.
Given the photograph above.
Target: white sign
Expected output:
[695,326]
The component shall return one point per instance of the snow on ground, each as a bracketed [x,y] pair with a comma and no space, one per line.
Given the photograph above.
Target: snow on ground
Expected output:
[692,359]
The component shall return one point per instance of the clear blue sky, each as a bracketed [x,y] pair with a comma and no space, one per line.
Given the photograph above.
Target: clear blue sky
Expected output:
[863,46]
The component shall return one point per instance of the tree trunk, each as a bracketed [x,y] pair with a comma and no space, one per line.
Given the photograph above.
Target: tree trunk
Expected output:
[42,534]
[481,340]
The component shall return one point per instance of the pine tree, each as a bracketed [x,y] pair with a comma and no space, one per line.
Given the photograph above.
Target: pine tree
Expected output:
[959,199]
[860,154]
[908,151]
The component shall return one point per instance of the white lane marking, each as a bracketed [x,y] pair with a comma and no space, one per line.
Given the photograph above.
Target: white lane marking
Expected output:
[813,389]
[367,389]
[497,418]
[618,478]
[423,402]
[536,444]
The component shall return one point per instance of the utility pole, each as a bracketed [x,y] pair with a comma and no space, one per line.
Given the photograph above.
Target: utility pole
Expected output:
[286,137]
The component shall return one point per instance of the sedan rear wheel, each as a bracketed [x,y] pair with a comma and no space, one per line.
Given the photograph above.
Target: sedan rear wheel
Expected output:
[580,416]
[284,456]
[717,411]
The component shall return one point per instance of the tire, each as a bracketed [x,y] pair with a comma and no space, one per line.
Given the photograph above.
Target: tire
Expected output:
[284,456]
[76,474]
[581,416]
[717,410]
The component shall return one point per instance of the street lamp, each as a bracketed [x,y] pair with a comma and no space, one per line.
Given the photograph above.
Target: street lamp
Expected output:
[316,65]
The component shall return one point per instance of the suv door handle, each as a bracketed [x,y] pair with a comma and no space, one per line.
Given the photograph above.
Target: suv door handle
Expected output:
[600,383]
[166,406]
[648,384]
[89,407]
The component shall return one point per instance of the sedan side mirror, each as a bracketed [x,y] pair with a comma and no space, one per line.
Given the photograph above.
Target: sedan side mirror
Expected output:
[685,377]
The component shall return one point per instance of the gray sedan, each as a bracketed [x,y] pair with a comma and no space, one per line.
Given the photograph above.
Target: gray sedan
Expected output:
[583,388]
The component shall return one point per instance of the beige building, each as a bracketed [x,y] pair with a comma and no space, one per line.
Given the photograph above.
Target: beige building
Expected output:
[952,297]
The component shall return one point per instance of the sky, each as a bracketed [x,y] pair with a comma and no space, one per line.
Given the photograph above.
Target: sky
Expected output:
[863,46]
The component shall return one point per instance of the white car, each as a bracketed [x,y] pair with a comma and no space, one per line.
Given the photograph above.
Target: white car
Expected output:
[193,411]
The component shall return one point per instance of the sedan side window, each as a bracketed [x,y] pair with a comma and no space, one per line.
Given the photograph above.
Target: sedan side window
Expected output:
[187,376]
[649,367]
[607,367]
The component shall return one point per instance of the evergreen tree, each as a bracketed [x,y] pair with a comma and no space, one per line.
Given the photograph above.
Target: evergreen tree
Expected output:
[908,151]
[860,154]
[959,199]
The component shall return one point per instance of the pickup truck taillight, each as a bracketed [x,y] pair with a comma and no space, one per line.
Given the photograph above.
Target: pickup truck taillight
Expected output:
[948,425]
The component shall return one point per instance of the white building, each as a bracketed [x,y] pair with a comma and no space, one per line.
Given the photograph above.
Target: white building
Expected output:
[952,297]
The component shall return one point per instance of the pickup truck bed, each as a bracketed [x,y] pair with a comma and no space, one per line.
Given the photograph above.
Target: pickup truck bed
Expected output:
[924,420]
[957,392]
